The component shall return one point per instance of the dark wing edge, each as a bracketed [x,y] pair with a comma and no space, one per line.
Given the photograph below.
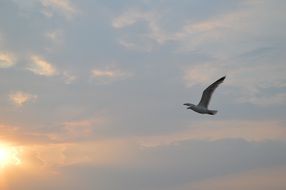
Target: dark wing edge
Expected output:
[207,93]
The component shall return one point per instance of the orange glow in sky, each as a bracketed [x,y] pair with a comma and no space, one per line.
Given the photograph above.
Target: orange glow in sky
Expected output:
[9,155]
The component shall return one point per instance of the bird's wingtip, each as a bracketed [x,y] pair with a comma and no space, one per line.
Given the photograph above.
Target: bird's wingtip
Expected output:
[222,78]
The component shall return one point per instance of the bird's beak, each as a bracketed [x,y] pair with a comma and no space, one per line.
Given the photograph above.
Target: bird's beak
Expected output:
[188,107]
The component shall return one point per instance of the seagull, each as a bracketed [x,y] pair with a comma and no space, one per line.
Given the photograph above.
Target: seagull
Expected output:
[202,107]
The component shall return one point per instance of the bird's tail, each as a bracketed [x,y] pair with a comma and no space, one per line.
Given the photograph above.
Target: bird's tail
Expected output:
[212,112]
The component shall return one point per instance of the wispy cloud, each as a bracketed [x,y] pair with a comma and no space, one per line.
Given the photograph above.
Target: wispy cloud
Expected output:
[278,99]
[249,79]
[202,74]
[50,8]
[42,67]
[69,77]
[198,32]
[55,36]
[76,130]
[252,131]
[64,7]
[109,74]
[104,73]
[257,179]
[7,60]
[70,146]
[240,75]
[215,30]
[131,17]
[93,153]
[142,42]
[144,46]
[21,98]
[214,35]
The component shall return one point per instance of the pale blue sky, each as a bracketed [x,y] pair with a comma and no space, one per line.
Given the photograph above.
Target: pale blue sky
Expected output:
[92,94]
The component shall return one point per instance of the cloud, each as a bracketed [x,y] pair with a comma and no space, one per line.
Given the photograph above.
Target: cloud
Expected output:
[224,34]
[278,99]
[93,153]
[144,46]
[73,131]
[104,73]
[109,74]
[77,144]
[73,143]
[250,79]
[142,42]
[131,17]
[252,131]
[21,135]
[206,34]
[197,32]
[49,8]
[55,36]
[202,74]
[21,98]
[258,179]
[64,7]
[213,162]
[126,44]
[69,77]
[77,130]
[7,60]
[41,67]
[229,34]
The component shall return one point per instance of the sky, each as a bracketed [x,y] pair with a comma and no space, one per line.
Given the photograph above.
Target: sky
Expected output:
[92,94]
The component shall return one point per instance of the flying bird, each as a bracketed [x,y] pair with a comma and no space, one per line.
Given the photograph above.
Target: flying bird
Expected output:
[202,107]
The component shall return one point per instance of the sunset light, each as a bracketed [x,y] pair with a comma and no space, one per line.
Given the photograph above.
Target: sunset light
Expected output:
[9,156]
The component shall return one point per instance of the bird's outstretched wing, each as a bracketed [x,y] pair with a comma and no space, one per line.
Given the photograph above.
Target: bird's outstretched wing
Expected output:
[207,94]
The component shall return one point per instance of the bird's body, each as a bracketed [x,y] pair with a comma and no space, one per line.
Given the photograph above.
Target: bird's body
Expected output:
[202,110]
[202,107]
